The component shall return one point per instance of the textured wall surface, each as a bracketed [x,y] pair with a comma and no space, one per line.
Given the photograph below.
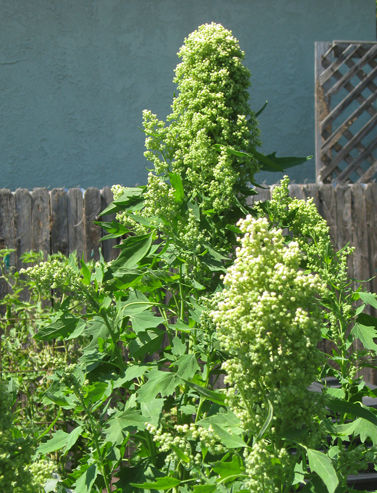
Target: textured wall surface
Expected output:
[76,75]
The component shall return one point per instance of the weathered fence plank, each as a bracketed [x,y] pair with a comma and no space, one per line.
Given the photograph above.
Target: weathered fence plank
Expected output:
[59,221]
[92,207]
[23,229]
[76,226]
[40,221]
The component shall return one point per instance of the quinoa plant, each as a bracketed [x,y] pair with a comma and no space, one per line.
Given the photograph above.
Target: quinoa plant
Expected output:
[147,338]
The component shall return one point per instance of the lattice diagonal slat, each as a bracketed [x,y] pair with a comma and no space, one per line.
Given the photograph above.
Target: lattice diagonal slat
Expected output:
[346,111]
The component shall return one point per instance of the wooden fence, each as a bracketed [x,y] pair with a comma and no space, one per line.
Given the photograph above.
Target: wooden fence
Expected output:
[345,111]
[62,221]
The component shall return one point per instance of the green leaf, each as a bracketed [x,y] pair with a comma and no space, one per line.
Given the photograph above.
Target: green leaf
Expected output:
[369,298]
[176,183]
[323,466]
[134,248]
[60,440]
[134,305]
[151,410]
[63,324]
[144,320]
[362,427]
[129,197]
[210,395]
[123,421]
[232,468]
[84,483]
[159,382]
[187,366]
[165,483]
[365,334]
[228,439]
[146,342]
[204,488]
[357,410]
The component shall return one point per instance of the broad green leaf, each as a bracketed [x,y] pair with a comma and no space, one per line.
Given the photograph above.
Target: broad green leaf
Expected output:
[85,482]
[178,347]
[63,324]
[146,343]
[211,395]
[322,465]
[145,320]
[369,298]
[362,427]
[135,304]
[134,248]
[97,391]
[79,330]
[60,440]
[151,410]
[121,422]
[187,366]
[135,371]
[226,420]
[366,334]
[357,410]
[232,468]
[228,439]
[176,183]
[159,382]
[165,483]
[129,197]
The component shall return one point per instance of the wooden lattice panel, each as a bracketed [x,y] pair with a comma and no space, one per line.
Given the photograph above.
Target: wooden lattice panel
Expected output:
[346,112]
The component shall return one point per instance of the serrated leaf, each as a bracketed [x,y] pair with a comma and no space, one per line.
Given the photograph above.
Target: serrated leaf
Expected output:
[369,298]
[187,366]
[63,324]
[231,468]
[60,440]
[84,483]
[228,439]
[145,320]
[322,465]
[165,483]
[365,334]
[146,343]
[121,422]
[159,382]
[134,249]
[362,427]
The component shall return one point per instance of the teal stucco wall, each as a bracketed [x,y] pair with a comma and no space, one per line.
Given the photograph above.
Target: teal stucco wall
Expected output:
[75,76]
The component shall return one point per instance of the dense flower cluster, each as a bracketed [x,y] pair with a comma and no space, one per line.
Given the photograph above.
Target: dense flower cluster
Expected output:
[210,112]
[311,231]
[190,439]
[57,272]
[267,320]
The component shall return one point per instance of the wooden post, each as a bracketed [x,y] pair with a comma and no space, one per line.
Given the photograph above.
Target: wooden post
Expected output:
[76,223]
[59,221]
[92,207]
